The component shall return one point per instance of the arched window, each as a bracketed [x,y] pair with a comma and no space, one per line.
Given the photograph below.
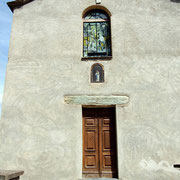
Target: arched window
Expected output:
[96,34]
[97,73]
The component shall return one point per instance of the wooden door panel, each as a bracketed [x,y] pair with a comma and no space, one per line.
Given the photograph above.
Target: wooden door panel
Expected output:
[107,161]
[106,122]
[90,145]
[106,151]
[108,143]
[99,143]
[106,138]
[90,161]
[90,122]
[90,139]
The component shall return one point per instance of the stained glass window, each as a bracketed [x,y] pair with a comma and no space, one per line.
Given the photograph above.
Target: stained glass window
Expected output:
[96,14]
[97,40]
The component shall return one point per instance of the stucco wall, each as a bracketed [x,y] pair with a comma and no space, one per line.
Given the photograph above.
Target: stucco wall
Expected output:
[42,135]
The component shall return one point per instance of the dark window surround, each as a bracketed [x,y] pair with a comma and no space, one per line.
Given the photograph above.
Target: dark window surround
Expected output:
[175,1]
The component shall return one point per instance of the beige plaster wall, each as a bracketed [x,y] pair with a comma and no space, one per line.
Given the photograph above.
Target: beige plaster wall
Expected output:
[42,135]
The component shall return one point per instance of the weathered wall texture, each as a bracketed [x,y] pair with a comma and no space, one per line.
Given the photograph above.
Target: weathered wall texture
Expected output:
[42,135]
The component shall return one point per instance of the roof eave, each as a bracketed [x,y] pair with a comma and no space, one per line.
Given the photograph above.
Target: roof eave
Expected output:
[17,4]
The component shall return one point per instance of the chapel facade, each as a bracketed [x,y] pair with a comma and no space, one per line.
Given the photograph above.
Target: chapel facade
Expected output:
[93,90]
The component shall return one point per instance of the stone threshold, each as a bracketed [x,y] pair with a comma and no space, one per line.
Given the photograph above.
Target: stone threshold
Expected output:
[99,179]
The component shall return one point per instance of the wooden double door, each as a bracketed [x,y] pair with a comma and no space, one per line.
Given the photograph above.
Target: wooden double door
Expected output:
[99,143]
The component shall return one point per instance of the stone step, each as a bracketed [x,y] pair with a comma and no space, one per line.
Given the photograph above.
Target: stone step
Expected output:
[99,179]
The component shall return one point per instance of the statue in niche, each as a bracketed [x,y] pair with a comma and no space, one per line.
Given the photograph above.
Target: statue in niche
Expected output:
[97,73]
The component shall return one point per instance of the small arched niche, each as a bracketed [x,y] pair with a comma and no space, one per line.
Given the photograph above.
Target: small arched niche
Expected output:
[97,73]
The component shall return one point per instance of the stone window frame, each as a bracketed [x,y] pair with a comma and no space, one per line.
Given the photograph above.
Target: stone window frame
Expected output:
[102,8]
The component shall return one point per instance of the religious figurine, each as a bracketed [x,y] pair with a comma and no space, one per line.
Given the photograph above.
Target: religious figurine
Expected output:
[101,42]
[92,41]
[97,76]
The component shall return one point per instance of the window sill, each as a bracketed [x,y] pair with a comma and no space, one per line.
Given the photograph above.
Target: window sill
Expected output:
[96,58]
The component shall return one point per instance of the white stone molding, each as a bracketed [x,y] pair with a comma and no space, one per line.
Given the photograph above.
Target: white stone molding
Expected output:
[98,1]
[122,100]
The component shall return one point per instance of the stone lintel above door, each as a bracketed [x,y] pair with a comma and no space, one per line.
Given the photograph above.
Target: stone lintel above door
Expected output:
[122,100]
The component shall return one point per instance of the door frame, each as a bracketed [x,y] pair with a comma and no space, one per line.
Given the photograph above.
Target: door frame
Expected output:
[115,124]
